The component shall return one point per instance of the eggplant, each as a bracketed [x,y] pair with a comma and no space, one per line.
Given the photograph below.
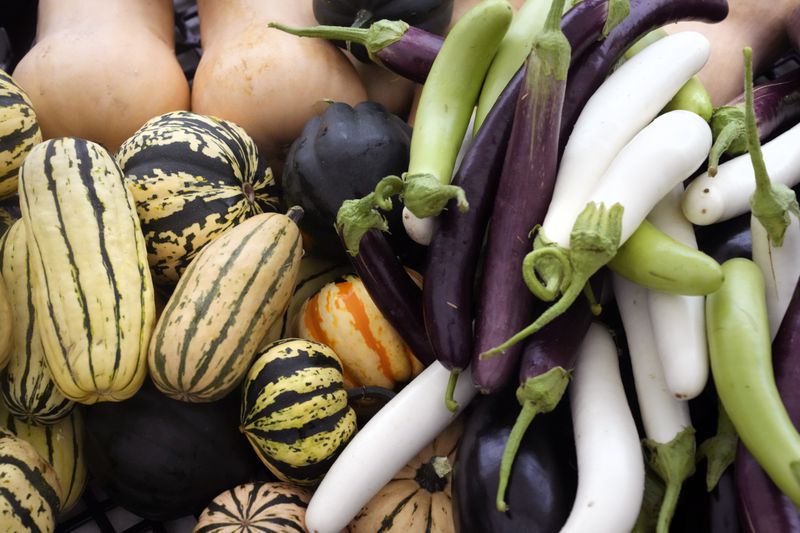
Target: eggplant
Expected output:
[430,15]
[340,155]
[764,508]
[587,75]
[161,458]
[542,485]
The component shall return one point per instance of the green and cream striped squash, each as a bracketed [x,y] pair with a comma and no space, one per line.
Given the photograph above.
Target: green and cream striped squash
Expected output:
[258,507]
[193,178]
[294,409]
[92,290]
[6,326]
[29,487]
[61,445]
[19,132]
[27,387]
[223,307]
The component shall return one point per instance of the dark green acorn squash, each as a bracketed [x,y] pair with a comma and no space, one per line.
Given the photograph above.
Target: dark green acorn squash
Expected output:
[340,155]
[429,15]
[161,458]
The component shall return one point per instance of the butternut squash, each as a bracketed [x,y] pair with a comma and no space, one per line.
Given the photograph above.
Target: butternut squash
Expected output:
[265,80]
[100,69]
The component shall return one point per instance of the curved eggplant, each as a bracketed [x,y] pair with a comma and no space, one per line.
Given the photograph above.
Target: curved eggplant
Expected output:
[542,484]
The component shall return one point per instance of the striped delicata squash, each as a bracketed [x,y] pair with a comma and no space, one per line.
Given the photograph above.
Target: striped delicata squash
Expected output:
[294,409]
[19,132]
[61,445]
[27,387]
[92,290]
[193,177]
[223,306]
[256,507]
[28,487]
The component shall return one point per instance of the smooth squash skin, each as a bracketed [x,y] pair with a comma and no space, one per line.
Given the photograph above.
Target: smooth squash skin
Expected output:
[265,80]
[101,69]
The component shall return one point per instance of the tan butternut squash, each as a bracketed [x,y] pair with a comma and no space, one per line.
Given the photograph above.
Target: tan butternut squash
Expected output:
[100,69]
[265,80]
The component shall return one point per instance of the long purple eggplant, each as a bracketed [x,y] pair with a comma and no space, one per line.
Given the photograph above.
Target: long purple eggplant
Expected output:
[645,15]
[523,195]
[547,363]
[763,506]
[395,294]
[777,106]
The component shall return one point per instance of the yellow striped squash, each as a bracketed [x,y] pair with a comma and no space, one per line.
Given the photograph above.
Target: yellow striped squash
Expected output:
[6,326]
[193,177]
[223,306]
[257,507]
[61,445]
[343,316]
[294,409]
[27,387]
[92,290]
[28,487]
[19,132]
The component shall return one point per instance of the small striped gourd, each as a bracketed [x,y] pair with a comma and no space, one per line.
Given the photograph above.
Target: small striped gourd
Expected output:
[418,499]
[193,178]
[61,445]
[92,290]
[223,306]
[343,316]
[19,132]
[28,487]
[294,409]
[27,387]
[256,507]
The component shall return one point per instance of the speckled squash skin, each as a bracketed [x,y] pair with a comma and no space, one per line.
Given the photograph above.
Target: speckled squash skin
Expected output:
[343,316]
[19,132]
[294,409]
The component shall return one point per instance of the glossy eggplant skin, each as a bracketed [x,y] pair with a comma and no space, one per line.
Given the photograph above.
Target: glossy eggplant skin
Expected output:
[543,481]
[162,458]
[429,15]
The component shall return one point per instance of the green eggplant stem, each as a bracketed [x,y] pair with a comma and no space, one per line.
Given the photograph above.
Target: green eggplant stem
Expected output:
[771,203]
[426,196]
[356,217]
[674,462]
[728,125]
[540,394]
[594,241]
[449,402]
[552,264]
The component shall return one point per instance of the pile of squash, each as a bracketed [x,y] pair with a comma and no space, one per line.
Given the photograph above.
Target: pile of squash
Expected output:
[163,299]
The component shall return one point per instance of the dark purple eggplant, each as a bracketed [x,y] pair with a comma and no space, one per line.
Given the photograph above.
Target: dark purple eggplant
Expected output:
[523,195]
[776,105]
[430,15]
[395,294]
[645,15]
[763,506]
[548,359]
[542,485]
[726,240]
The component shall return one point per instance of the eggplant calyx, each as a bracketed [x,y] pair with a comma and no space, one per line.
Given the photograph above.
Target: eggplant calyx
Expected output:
[594,241]
[356,217]
[719,450]
[728,127]
[539,394]
[618,10]
[674,462]
[375,38]
[425,196]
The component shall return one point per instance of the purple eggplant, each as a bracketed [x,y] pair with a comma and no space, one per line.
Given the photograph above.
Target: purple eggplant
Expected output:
[764,508]
[542,487]
[523,195]
[395,294]
[776,105]
[645,15]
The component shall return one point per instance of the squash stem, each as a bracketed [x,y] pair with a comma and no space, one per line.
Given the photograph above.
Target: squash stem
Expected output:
[295,214]
[449,402]
[771,203]
[540,394]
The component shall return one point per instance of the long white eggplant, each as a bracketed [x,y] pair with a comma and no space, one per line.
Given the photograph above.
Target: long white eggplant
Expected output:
[715,199]
[624,104]
[610,462]
[684,357]
[397,433]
